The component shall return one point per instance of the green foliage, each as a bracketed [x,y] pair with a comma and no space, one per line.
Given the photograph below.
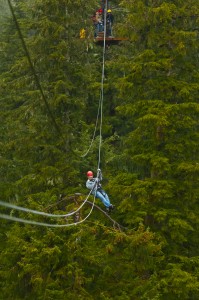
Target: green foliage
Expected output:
[149,154]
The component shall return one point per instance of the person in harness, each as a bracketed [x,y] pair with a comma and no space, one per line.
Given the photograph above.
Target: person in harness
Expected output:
[95,185]
[109,23]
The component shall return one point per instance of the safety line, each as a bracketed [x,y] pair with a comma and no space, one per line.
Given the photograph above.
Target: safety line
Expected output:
[20,208]
[32,68]
[94,129]
[36,212]
[21,220]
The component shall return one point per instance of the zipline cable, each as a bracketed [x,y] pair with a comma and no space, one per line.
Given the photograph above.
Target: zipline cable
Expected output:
[102,86]
[101,99]
[33,69]
[21,220]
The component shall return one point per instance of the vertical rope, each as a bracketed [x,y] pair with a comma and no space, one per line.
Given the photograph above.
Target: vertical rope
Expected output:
[102,86]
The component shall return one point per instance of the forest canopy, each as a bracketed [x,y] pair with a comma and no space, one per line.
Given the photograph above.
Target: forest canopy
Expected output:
[50,82]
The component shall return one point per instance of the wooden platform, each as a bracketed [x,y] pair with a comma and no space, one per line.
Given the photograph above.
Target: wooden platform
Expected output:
[109,40]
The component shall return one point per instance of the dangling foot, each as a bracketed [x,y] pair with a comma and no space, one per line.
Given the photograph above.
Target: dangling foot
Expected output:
[110,208]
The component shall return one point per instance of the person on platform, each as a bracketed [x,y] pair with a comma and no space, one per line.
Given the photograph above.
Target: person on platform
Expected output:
[109,23]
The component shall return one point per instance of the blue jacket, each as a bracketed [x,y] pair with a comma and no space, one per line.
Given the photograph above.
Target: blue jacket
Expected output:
[94,183]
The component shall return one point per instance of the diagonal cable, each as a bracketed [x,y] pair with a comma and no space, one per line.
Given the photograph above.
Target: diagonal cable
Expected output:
[33,69]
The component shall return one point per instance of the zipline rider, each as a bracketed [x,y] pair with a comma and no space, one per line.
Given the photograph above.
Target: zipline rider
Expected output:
[95,185]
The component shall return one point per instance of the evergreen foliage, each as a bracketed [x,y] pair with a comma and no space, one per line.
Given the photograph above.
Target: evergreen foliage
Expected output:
[149,151]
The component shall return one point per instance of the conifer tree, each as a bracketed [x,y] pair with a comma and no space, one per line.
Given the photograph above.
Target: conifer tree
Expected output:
[157,87]
[150,142]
